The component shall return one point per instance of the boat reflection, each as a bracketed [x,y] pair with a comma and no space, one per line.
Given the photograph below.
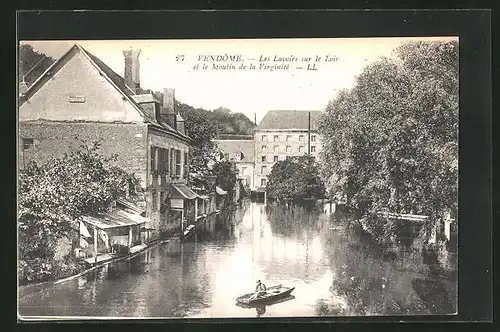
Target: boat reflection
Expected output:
[261,308]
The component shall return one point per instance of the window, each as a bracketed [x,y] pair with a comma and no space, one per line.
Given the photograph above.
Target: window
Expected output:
[288,138]
[264,138]
[313,138]
[178,163]
[301,138]
[313,148]
[276,148]
[28,143]
[162,160]
[301,148]
[275,158]
[276,138]
[264,148]
[263,182]
[263,169]
[154,201]
[264,159]
[186,166]
[288,149]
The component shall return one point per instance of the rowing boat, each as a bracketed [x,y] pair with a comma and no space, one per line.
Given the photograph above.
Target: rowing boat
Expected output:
[272,293]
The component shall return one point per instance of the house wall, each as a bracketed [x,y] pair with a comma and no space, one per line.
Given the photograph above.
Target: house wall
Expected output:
[245,172]
[96,99]
[297,143]
[160,184]
[53,139]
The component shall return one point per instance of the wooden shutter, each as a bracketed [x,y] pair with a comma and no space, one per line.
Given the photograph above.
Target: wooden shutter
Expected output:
[186,165]
[153,157]
[172,162]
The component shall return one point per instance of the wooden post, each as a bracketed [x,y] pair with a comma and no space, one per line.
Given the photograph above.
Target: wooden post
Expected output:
[130,237]
[182,219]
[95,244]
[309,135]
[195,208]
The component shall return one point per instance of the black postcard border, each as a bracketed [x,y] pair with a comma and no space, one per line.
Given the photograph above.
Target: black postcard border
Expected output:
[473,29]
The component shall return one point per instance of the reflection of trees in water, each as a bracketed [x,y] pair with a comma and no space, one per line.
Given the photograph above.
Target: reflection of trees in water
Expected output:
[369,284]
[215,228]
[294,219]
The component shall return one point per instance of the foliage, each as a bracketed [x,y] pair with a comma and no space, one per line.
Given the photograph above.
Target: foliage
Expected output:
[232,123]
[32,63]
[225,175]
[295,178]
[391,142]
[202,130]
[54,195]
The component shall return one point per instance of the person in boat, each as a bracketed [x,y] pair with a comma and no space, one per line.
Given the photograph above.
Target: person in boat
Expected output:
[260,290]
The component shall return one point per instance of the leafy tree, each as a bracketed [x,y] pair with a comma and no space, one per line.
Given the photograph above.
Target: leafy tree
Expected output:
[54,195]
[202,129]
[32,63]
[295,178]
[225,175]
[391,142]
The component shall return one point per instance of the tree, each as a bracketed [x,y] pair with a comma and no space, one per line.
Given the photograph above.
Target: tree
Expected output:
[54,195]
[225,175]
[391,142]
[32,63]
[295,178]
[202,129]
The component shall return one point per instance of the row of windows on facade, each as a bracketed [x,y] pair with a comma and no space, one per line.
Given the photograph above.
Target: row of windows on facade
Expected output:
[288,138]
[264,159]
[276,149]
[169,161]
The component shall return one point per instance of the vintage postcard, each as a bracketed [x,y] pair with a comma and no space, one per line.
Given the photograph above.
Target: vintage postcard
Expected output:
[238,178]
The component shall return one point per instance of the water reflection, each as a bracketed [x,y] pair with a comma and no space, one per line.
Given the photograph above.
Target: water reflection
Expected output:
[260,309]
[334,270]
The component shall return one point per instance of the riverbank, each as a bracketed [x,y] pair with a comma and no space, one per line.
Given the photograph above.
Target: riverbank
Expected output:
[108,259]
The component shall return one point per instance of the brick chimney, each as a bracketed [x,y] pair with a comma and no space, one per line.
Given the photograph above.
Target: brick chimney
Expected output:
[167,112]
[180,124]
[132,69]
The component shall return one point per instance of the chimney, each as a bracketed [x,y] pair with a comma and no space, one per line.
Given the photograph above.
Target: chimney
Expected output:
[180,124]
[167,112]
[23,87]
[132,69]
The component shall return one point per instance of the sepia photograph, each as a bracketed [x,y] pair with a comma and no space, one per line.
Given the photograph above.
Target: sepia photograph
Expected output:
[237,178]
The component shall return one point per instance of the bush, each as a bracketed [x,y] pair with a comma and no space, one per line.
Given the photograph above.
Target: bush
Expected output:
[46,269]
[120,249]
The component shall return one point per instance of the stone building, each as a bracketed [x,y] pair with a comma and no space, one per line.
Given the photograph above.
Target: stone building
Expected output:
[282,134]
[80,99]
[239,149]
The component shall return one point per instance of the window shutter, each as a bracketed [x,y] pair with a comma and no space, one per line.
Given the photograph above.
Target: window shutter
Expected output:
[153,159]
[186,168]
[172,162]
[166,161]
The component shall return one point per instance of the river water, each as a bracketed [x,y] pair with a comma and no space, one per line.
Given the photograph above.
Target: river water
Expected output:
[335,271]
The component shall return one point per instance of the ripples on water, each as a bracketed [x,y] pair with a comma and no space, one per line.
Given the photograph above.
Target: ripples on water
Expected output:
[334,270]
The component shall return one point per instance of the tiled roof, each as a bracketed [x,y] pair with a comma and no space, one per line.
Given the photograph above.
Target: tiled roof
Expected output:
[233,147]
[280,120]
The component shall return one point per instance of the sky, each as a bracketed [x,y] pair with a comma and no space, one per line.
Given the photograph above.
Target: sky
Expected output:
[171,64]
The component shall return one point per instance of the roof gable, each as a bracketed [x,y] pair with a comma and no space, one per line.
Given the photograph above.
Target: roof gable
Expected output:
[234,147]
[114,79]
[288,120]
